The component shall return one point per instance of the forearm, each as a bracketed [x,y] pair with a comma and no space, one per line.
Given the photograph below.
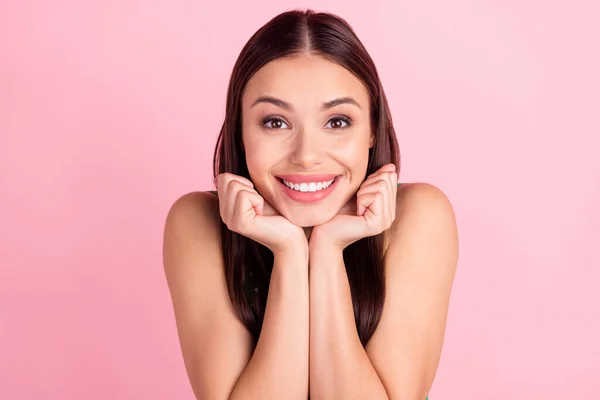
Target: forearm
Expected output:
[278,368]
[339,366]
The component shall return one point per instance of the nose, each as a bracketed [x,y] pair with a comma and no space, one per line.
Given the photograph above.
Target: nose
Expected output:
[307,150]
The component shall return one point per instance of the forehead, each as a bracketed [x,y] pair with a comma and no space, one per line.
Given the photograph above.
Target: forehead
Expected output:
[305,78]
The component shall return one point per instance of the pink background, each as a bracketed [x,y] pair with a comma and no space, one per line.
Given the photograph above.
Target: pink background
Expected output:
[110,110]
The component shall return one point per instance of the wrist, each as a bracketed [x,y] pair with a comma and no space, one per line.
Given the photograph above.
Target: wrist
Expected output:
[292,249]
[321,243]
[324,256]
[324,249]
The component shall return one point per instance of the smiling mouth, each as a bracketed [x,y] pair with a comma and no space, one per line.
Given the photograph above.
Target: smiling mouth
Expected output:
[304,187]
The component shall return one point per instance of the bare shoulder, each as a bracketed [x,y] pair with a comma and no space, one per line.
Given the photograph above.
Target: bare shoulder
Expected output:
[411,194]
[194,209]
[191,235]
[420,207]
[191,238]
[215,345]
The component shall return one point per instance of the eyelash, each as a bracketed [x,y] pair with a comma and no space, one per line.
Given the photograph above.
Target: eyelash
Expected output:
[272,118]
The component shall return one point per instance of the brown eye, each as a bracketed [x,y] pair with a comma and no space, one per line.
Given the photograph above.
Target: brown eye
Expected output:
[273,123]
[336,123]
[340,122]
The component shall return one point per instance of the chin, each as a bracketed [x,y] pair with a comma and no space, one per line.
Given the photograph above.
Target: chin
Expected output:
[306,221]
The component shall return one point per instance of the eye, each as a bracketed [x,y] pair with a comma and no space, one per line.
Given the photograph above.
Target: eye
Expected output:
[274,123]
[339,121]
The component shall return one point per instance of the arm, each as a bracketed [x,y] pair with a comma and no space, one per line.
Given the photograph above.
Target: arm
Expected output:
[216,347]
[279,367]
[420,265]
[339,365]
[401,358]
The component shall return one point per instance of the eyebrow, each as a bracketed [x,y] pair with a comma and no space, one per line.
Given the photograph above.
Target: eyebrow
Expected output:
[324,107]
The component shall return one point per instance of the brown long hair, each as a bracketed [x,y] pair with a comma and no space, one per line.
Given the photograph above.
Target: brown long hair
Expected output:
[248,264]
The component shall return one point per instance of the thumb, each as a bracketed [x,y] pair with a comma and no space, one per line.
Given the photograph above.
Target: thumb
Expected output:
[259,206]
[254,204]
[363,203]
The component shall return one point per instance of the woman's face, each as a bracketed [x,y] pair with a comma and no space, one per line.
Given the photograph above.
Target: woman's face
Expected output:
[306,122]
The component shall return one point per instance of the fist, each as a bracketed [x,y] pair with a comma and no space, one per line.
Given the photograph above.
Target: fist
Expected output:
[371,211]
[245,211]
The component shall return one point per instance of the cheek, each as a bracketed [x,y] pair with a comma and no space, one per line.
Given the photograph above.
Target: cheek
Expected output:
[259,152]
[353,152]
[256,160]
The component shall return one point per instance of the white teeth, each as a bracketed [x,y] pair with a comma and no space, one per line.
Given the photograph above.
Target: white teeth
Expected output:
[308,186]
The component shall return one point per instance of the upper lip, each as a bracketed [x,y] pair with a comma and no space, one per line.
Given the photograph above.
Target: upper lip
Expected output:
[298,178]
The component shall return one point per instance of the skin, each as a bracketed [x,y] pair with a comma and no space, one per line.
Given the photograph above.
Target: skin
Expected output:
[306,139]
[308,343]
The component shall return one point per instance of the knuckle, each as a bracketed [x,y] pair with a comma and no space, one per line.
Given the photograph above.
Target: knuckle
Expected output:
[223,180]
[243,193]
[224,176]
[235,186]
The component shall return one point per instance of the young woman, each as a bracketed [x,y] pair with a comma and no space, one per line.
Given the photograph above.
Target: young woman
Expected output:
[310,272]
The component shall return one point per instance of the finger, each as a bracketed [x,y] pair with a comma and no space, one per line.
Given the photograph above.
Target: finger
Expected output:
[390,200]
[248,204]
[390,177]
[380,184]
[231,194]
[375,216]
[225,179]
[392,180]
[375,185]
[391,167]
[224,182]
[227,201]
[373,219]
[391,174]
[384,169]
[366,201]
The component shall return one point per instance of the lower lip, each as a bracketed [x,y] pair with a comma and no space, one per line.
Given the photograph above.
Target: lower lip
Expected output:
[308,197]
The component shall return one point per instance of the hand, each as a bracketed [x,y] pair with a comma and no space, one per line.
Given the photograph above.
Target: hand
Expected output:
[370,212]
[244,211]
